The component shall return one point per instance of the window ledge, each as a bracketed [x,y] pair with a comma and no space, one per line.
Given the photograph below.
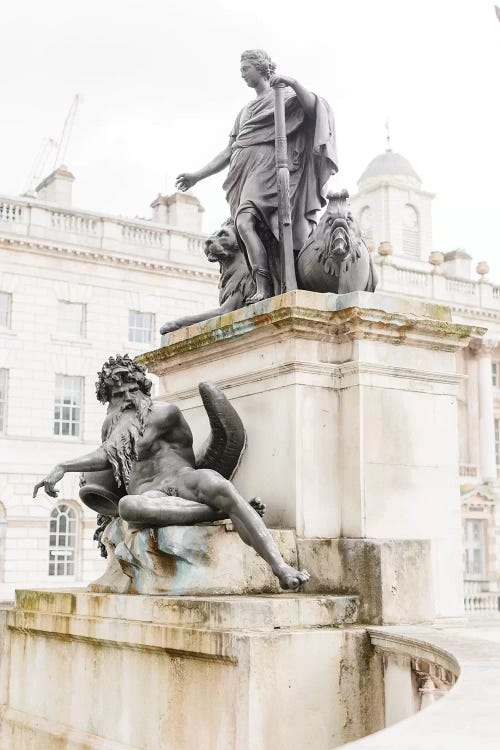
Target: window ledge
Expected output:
[67,438]
[7,332]
[47,438]
[59,339]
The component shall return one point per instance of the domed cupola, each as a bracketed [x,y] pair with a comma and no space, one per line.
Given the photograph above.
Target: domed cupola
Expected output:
[389,167]
[392,207]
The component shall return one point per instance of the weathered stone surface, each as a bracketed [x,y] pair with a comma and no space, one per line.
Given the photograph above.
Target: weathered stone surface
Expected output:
[350,406]
[393,577]
[116,672]
[188,560]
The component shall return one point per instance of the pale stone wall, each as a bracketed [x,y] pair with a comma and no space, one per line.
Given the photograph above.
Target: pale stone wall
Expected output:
[473,301]
[223,673]
[44,262]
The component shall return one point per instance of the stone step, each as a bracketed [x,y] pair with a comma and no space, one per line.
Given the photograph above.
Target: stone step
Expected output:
[262,612]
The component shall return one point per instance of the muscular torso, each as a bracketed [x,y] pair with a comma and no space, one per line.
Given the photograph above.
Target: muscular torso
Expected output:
[165,448]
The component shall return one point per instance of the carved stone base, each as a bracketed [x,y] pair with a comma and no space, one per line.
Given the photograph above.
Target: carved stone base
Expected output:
[188,560]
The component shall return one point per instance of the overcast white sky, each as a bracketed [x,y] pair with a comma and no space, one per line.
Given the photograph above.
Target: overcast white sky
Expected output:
[161,88]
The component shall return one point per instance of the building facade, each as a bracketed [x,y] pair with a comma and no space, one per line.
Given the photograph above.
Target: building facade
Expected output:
[395,214]
[77,286]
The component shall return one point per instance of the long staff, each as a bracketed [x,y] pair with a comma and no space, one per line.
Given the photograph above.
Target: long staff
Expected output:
[288,278]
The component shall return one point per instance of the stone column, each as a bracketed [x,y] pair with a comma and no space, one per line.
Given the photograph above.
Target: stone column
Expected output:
[488,467]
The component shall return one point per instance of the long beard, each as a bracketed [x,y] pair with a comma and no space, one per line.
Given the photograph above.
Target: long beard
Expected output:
[125,428]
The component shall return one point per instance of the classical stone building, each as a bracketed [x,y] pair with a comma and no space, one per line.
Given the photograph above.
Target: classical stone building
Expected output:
[395,215]
[75,287]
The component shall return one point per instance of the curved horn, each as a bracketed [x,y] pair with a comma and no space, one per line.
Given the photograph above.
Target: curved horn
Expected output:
[223,448]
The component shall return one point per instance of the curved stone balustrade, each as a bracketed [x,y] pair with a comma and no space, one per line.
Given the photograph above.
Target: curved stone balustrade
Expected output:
[421,664]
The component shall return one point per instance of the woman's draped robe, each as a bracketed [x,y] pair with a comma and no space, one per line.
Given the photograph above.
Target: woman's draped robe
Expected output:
[251,184]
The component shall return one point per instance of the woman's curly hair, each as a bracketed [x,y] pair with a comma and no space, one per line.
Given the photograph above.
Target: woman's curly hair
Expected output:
[260,60]
[117,371]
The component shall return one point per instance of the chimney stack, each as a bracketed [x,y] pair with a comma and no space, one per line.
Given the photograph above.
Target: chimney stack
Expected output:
[178,210]
[57,187]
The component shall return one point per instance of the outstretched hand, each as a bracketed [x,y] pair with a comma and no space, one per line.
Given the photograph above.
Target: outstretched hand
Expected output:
[185,180]
[49,482]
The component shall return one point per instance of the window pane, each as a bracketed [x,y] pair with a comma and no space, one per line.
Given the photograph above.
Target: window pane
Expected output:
[62,545]
[475,553]
[140,327]
[67,405]
[71,318]
[5,305]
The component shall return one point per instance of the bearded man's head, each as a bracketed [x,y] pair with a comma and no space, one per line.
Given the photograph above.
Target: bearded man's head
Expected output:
[123,384]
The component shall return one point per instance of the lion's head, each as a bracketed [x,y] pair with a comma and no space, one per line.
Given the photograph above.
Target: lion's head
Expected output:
[338,237]
[222,245]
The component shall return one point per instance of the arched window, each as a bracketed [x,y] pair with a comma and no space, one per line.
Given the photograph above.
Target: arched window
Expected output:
[366,221]
[62,540]
[411,231]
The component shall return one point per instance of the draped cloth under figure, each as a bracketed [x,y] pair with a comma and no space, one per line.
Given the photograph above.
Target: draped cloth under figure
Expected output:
[251,185]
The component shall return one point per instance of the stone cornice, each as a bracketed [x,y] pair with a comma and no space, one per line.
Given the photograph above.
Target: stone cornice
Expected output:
[311,316]
[342,375]
[100,257]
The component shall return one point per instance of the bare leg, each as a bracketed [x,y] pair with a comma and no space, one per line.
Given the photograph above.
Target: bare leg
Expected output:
[154,508]
[204,485]
[257,255]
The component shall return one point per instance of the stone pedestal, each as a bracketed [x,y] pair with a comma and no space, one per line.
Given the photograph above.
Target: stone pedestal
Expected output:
[102,671]
[188,560]
[349,402]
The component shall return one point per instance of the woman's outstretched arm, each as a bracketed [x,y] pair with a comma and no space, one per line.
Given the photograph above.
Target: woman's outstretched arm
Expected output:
[186,180]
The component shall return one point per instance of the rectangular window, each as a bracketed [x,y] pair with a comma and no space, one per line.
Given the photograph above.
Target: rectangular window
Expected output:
[68,405]
[3,399]
[495,374]
[5,306]
[475,555]
[71,319]
[140,327]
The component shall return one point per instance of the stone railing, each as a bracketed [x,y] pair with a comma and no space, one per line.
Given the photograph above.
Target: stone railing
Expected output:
[478,599]
[39,222]
[419,279]
[469,470]
[10,212]
[420,665]
[482,602]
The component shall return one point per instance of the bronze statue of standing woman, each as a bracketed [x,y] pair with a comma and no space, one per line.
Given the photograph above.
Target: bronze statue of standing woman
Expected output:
[251,184]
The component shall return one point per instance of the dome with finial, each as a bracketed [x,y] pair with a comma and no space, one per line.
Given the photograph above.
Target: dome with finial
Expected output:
[389,166]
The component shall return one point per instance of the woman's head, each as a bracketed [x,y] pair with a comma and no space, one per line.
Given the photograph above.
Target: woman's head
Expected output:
[255,65]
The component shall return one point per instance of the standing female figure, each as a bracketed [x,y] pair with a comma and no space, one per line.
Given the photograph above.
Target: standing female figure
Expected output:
[251,185]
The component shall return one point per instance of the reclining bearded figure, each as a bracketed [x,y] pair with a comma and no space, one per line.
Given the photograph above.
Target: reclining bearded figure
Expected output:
[147,454]
[251,185]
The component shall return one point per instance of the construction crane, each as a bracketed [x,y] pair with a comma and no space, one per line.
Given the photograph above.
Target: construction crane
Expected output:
[51,150]
[63,143]
[48,148]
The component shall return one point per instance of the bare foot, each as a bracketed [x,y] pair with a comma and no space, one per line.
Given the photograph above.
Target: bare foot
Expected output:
[258,505]
[291,579]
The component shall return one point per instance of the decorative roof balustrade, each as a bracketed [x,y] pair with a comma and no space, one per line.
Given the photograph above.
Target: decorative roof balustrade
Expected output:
[38,222]
[399,275]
